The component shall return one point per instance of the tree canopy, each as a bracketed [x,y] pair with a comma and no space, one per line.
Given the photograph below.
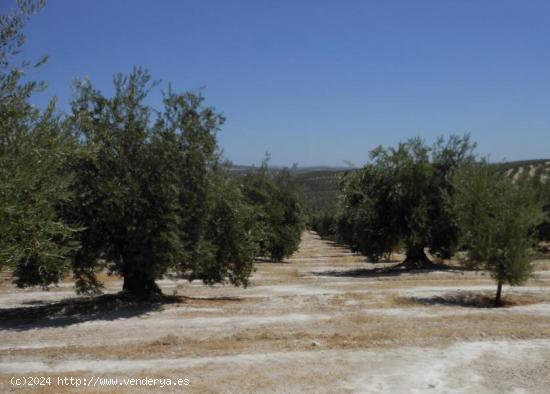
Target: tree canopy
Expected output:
[398,198]
[148,191]
[34,150]
[498,219]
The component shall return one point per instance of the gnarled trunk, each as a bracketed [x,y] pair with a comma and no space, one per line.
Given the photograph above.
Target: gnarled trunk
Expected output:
[416,258]
[140,284]
[498,300]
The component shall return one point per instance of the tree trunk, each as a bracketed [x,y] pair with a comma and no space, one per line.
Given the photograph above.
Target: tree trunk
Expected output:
[140,284]
[416,259]
[498,301]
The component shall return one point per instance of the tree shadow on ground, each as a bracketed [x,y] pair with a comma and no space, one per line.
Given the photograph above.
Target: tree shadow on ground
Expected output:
[395,270]
[108,307]
[474,300]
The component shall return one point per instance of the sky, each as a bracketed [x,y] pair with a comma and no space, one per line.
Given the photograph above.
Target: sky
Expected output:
[319,82]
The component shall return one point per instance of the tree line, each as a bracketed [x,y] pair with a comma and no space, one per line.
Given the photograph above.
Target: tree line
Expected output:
[441,199]
[119,185]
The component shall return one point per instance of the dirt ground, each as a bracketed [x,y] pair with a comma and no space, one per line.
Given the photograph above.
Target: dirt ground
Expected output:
[319,322]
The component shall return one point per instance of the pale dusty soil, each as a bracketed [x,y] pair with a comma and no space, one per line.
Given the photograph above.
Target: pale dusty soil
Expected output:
[311,324]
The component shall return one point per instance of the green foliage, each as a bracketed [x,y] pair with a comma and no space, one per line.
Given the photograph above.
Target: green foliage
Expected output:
[543,196]
[497,218]
[324,224]
[399,198]
[539,181]
[149,193]
[321,187]
[12,37]
[126,186]
[231,235]
[447,157]
[34,148]
[287,216]
[277,209]
[194,128]
[368,213]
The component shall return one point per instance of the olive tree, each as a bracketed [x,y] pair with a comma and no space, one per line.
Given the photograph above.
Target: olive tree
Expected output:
[34,149]
[289,219]
[398,198]
[230,235]
[497,219]
[147,193]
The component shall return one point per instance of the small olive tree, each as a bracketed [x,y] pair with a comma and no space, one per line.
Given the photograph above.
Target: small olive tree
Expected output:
[497,219]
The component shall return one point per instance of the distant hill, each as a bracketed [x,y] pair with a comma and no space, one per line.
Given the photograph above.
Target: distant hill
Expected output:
[516,169]
[320,188]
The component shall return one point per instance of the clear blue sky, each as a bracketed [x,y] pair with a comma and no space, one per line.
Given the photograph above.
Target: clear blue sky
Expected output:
[320,82]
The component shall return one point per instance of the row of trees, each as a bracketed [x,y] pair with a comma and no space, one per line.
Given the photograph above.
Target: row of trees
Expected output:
[438,198]
[121,186]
